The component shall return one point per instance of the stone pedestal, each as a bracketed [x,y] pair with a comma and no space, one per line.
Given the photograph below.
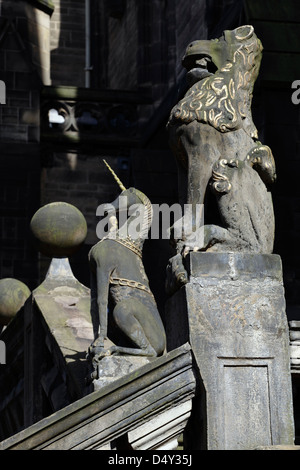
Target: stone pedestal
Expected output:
[232,312]
[112,368]
[57,334]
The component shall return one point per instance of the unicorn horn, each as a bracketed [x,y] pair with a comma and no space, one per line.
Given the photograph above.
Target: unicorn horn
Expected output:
[115,176]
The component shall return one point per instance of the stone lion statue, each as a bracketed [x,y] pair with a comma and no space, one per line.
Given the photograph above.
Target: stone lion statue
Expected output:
[216,145]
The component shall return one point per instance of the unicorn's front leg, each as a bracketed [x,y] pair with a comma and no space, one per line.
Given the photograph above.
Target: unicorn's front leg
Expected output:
[100,310]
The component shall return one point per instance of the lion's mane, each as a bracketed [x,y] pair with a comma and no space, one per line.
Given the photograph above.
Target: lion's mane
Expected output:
[223,100]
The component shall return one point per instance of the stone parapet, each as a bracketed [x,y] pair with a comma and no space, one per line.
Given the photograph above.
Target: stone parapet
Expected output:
[146,409]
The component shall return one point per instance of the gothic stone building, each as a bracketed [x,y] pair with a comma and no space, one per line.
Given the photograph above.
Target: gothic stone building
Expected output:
[87,80]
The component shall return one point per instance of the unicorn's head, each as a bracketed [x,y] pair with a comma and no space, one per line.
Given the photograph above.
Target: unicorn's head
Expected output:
[136,210]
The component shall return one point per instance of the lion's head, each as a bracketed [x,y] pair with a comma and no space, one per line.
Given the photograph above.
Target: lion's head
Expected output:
[221,98]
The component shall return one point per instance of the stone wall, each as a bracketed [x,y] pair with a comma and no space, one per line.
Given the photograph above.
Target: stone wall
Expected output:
[38,31]
[67,43]
[19,199]
[281,132]
[122,48]
[143,45]
[278,121]
[25,67]
[25,60]
[190,25]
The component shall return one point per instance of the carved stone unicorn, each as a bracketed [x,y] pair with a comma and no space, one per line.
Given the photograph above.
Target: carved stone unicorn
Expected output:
[123,307]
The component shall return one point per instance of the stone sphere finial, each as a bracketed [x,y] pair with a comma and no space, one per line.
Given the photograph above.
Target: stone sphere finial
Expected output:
[13,295]
[59,229]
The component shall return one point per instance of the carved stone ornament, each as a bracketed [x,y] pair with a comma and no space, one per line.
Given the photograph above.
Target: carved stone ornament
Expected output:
[216,145]
[123,307]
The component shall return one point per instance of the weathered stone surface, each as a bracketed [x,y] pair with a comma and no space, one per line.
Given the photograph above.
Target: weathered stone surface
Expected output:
[13,295]
[63,304]
[124,406]
[46,347]
[216,146]
[59,229]
[120,289]
[233,313]
[162,431]
[112,368]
